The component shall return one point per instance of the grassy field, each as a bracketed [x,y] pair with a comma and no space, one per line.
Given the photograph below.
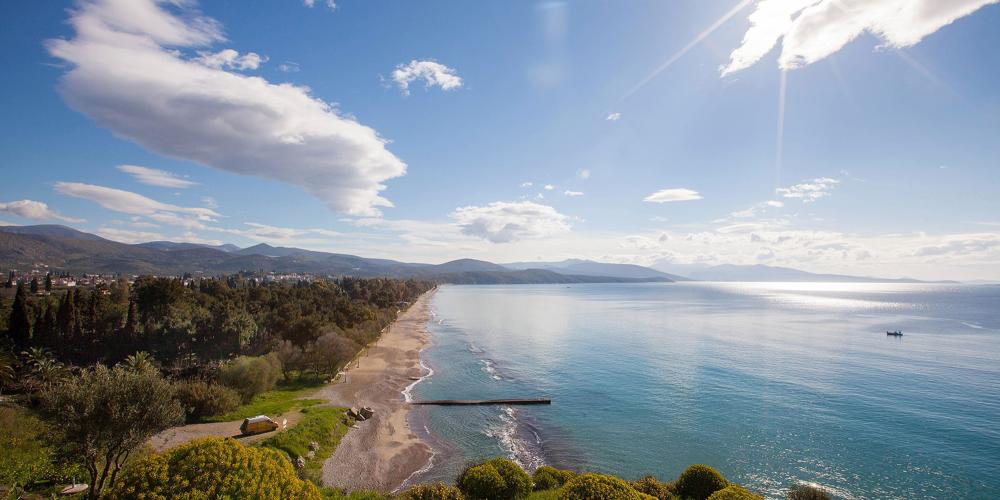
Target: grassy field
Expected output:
[323,424]
[286,397]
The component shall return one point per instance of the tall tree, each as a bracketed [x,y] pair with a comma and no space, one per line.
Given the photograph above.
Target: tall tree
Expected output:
[10,280]
[20,318]
[67,316]
[132,321]
[48,282]
[34,285]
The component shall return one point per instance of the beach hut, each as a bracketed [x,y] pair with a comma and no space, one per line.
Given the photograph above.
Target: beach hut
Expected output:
[257,425]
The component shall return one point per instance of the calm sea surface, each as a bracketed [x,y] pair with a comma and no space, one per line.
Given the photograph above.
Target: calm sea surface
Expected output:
[771,383]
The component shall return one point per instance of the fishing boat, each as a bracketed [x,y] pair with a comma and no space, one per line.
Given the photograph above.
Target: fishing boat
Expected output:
[896,333]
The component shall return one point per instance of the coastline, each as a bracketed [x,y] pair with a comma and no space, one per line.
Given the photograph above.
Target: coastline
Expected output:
[382,452]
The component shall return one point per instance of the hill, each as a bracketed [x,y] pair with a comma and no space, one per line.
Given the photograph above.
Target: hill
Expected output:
[591,268]
[764,273]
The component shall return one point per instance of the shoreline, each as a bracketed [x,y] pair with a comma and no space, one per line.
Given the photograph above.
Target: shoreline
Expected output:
[383,452]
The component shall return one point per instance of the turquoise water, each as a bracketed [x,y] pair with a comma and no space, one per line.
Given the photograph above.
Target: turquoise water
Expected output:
[771,383]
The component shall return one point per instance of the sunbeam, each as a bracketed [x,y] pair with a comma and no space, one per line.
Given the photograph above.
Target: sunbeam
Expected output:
[780,145]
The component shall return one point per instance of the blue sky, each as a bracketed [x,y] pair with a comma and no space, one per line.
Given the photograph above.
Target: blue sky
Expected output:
[642,132]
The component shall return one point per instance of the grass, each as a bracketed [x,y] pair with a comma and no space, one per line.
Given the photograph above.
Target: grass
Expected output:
[284,398]
[323,424]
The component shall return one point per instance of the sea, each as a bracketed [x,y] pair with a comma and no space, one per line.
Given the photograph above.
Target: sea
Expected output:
[773,384]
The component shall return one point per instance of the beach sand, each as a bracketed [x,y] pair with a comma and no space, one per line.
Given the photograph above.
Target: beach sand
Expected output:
[381,452]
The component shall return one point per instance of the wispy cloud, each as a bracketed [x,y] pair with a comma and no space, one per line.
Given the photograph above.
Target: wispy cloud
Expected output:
[230,59]
[548,187]
[527,184]
[34,210]
[673,194]
[330,4]
[156,177]
[129,74]
[583,173]
[613,117]
[127,202]
[433,74]
[572,193]
[809,191]
[810,30]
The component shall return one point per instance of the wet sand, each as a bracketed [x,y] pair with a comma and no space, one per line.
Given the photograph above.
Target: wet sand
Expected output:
[381,452]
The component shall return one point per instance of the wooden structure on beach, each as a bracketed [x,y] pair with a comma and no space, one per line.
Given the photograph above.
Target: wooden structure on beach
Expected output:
[480,402]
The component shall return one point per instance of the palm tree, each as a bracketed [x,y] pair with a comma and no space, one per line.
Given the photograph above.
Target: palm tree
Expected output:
[140,362]
[8,370]
[44,370]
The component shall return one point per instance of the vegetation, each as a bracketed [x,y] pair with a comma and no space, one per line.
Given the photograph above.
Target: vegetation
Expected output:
[286,397]
[324,426]
[213,468]
[250,376]
[202,399]
[437,491]
[734,492]
[599,486]
[104,415]
[26,459]
[699,482]
[495,479]
[654,488]
[806,492]
[547,478]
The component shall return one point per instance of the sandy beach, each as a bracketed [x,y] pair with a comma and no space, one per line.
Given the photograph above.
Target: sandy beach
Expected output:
[382,452]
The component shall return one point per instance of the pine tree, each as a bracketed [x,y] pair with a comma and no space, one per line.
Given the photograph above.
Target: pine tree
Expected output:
[48,282]
[20,318]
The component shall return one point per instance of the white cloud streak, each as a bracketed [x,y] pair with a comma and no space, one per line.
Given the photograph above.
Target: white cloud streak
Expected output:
[156,177]
[127,202]
[230,59]
[810,30]
[128,74]
[505,222]
[809,191]
[673,194]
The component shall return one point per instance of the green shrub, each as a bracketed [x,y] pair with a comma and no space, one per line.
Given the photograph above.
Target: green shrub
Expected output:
[547,478]
[201,399]
[699,482]
[251,376]
[599,487]
[652,487]
[734,492]
[495,479]
[806,492]
[438,491]
[213,468]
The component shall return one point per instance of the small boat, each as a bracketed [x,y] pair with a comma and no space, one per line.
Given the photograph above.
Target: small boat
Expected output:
[896,333]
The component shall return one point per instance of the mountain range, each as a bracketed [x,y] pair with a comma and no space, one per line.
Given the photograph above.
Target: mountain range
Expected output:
[64,248]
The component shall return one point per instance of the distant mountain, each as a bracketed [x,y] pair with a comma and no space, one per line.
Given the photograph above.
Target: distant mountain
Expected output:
[51,230]
[591,268]
[172,245]
[63,248]
[729,272]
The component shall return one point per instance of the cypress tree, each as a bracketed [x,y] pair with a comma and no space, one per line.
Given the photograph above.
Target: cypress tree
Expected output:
[34,285]
[77,301]
[132,321]
[48,282]
[67,316]
[10,280]
[20,318]
[51,326]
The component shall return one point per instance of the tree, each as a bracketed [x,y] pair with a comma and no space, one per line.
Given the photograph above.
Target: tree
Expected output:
[43,370]
[548,478]
[734,492]
[10,280]
[8,369]
[48,282]
[20,318]
[132,321]
[250,376]
[106,414]
[214,468]
[140,362]
[806,492]
[652,487]
[67,317]
[34,285]
[699,482]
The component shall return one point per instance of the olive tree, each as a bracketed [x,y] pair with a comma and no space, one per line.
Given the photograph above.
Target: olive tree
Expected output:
[105,414]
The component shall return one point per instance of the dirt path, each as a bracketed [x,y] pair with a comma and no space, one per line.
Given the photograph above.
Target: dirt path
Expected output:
[180,435]
[382,452]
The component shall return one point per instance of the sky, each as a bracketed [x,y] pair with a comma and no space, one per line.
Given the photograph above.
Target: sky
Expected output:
[843,136]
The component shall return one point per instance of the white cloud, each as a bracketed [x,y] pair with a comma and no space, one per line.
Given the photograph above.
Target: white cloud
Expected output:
[505,222]
[583,173]
[129,76]
[156,177]
[572,193]
[809,191]
[431,72]
[673,194]
[229,58]
[613,117]
[527,184]
[757,208]
[548,187]
[136,204]
[289,67]
[810,30]
[331,4]
[34,210]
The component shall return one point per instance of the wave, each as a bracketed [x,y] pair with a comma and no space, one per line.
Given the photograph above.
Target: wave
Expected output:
[514,437]
[490,367]
[427,372]
[972,325]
